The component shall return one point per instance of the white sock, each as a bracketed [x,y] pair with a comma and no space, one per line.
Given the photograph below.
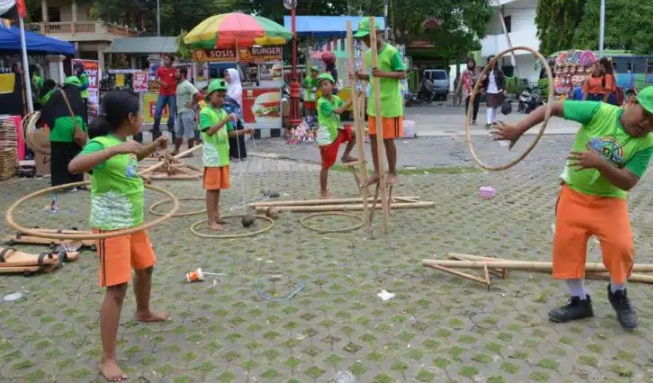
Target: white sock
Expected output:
[489,114]
[494,115]
[577,288]
[615,287]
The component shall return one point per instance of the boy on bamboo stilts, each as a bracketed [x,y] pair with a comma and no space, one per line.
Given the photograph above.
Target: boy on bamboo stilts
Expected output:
[390,72]
[611,153]
[216,126]
[329,133]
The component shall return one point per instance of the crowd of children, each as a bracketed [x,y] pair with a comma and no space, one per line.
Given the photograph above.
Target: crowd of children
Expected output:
[612,151]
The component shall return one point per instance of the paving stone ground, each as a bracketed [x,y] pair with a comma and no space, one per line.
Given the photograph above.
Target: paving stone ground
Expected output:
[437,328]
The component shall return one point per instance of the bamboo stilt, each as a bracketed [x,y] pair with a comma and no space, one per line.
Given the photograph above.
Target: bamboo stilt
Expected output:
[350,207]
[522,265]
[501,273]
[164,162]
[380,148]
[463,275]
[358,126]
[174,177]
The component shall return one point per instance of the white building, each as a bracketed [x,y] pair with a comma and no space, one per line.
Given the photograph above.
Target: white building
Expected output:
[519,16]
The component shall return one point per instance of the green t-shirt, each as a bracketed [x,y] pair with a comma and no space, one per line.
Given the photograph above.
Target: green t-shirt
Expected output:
[216,147]
[328,120]
[84,80]
[117,192]
[64,128]
[390,90]
[185,93]
[603,130]
[310,88]
[46,97]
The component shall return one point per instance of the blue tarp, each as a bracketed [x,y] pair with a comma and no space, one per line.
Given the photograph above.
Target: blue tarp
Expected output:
[326,26]
[10,41]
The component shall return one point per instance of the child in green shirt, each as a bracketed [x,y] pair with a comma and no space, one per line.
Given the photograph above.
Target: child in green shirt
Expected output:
[117,203]
[216,126]
[310,89]
[612,151]
[329,133]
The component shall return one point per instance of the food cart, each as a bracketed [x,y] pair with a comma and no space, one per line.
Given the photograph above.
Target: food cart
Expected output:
[571,68]
[262,83]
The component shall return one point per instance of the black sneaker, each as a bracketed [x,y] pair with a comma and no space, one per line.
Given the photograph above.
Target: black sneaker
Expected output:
[575,309]
[626,314]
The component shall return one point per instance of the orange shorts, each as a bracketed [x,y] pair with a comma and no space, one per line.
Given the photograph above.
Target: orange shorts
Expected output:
[578,217]
[393,127]
[118,255]
[216,178]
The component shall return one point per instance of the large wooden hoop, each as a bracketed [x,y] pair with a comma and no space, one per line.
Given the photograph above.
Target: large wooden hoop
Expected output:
[346,229]
[117,233]
[231,236]
[547,116]
[195,212]
[27,128]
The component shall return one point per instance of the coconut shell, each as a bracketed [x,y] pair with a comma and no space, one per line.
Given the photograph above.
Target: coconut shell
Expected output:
[272,213]
[248,220]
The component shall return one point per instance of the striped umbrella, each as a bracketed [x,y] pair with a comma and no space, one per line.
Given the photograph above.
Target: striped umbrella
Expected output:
[231,29]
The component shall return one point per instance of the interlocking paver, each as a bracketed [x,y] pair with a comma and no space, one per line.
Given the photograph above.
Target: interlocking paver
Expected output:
[437,328]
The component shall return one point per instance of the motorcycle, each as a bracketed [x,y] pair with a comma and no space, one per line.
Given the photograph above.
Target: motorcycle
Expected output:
[529,100]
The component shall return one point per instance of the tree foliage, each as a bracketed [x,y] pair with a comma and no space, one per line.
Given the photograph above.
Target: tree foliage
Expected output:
[628,26]
[557,21]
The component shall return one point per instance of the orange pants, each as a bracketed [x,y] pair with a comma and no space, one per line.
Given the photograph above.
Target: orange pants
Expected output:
[216,178]
[393,127]
[119,255]
[578,217]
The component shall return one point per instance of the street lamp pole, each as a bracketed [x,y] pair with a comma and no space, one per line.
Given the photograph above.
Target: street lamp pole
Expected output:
[602,29]
[158,17]
[295,112]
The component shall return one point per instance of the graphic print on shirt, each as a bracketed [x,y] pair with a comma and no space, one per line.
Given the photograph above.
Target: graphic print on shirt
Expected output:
[131,169]
[609,149]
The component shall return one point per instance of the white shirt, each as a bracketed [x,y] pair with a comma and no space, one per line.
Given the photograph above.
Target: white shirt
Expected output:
[492,84]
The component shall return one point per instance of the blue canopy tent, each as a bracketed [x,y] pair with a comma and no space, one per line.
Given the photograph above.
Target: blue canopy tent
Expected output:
[326,27]
[35,43]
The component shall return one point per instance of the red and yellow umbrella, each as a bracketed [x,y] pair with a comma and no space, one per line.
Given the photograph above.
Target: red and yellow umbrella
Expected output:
[236,29]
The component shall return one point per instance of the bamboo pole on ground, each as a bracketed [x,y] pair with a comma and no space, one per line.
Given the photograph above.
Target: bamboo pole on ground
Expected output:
[501,273]
[380,148]
[347,207]
[334,201]
[162,163]
[360,133]
[522,265]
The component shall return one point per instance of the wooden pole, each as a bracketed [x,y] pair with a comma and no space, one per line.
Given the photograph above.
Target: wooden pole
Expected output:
[642,278]
[334,201]
[502,273]
[522,265]
[360,133]
[380,148]
[349,207]
[178,156]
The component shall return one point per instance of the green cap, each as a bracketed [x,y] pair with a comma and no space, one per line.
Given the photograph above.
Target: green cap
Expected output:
[325,76]
[315,69]
[364,27]
[645,98]
[72,80]
[217,85]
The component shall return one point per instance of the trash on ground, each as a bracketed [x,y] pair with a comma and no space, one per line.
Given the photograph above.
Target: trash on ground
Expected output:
[487,192]
[385,295]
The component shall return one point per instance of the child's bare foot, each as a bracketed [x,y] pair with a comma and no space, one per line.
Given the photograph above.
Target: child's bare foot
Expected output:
[220,221]
[370,181]
[150,316]
[391,179]
[326,195]
[215,226]
[348,159]
[111,371]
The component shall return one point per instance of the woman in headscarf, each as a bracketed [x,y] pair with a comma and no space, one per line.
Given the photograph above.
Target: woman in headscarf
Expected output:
[64,113]
[233,104]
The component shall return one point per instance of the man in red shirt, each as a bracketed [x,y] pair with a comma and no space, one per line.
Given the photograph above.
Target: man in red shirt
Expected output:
[166,77]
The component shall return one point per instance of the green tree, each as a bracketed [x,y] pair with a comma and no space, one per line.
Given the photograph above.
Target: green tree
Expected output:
[556,22]
[627,26]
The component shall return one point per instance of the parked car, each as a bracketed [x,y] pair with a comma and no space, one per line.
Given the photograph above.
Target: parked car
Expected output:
[441,80]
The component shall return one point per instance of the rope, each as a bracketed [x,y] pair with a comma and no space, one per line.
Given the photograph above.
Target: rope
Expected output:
[112,234]
[549,105]
[326,231]
[229,236]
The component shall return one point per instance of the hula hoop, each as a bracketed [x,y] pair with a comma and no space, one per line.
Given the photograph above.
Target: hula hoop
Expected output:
[29,123]
[326,231]
[229,236]
[151,209]
[547,116]
[117,233]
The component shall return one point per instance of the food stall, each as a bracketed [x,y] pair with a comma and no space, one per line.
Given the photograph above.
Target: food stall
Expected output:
[262,91]
[571,68]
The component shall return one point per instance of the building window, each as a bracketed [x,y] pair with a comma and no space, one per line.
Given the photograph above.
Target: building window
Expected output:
[508,21]
[54,14]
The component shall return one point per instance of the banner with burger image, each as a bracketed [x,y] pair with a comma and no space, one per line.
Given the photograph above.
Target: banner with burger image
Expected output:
[262,107]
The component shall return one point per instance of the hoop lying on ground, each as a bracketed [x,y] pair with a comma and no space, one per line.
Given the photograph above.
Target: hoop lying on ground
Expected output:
[468,121]
[154,205]
[325,231]
[229,236]
[117,233]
